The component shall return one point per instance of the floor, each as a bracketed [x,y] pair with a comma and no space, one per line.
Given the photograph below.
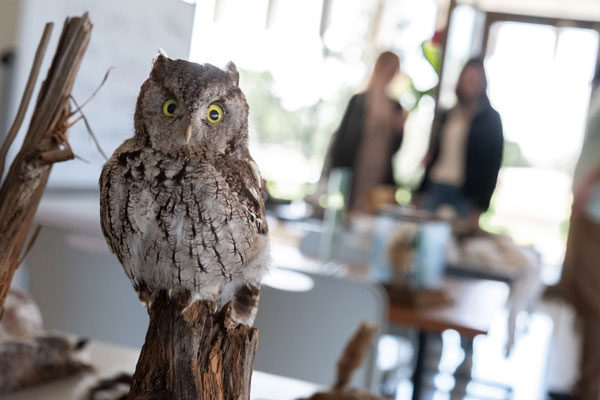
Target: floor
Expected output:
[543,358]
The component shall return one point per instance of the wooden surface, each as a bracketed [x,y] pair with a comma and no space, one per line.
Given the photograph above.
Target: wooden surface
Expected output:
[193,353]
[110,359]
[474,303]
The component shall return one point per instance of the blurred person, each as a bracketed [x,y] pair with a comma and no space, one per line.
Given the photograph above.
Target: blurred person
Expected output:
[461,169]
[580,279]
[465,151]
[368,137]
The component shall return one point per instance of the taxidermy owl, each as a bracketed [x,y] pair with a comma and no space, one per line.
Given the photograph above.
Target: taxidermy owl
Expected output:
[181,201]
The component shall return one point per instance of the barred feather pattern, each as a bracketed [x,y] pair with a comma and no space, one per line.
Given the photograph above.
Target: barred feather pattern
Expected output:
[190,215]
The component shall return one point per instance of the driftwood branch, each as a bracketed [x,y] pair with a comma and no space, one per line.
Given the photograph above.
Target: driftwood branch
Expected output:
[58,155]
[351,358]
[192,353]
[44,143]
[354,354]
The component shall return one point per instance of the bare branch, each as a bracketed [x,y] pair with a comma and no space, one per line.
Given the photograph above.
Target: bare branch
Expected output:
[83,160]
[35,70]
[79,108]
[89,128]
[59,155]
[37,231]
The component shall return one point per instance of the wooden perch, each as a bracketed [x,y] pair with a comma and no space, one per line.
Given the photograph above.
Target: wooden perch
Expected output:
[192,353]
[351,358]
[354,354]
[44,143]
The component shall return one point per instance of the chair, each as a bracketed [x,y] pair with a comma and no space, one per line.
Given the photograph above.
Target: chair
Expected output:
[302,331]
[81,288]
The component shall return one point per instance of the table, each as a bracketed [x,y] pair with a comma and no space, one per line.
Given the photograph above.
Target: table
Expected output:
[474,303]
[475,300]
[111,359]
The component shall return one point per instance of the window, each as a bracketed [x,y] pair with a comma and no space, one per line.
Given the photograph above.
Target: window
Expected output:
[299,69]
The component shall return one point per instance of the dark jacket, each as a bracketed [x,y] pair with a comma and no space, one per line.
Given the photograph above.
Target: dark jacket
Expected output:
[343,149]
[483,156]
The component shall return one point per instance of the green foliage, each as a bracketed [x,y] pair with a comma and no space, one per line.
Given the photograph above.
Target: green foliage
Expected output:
[403,196]
[307,128]
[513,156]
[563,229]
[487,221]
[433,55]
[283,191]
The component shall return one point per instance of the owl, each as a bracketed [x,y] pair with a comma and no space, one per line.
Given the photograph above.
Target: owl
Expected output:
[181,201]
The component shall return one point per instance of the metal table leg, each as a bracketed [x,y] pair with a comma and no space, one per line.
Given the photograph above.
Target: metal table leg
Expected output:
[417,377]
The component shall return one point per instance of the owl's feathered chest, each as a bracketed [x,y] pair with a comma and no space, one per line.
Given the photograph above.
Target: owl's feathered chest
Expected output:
[203,191]
[171,218]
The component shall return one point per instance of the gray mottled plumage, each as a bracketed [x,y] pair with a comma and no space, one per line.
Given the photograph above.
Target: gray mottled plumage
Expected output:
[188,214]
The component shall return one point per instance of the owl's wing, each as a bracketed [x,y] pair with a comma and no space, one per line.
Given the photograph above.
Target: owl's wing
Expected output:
[113,198]
[245,301]
[252,193]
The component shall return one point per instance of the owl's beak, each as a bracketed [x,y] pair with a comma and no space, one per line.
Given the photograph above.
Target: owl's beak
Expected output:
[188,134]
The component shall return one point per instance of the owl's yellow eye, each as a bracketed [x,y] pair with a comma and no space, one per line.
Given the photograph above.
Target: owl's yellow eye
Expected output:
[214,114]
[169,107]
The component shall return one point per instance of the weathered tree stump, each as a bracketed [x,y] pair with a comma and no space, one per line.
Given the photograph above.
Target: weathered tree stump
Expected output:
[191,352]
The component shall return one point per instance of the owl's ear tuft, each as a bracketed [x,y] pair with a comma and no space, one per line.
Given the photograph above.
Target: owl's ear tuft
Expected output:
[234,75]
[161,55]
[158,63]
[159,59]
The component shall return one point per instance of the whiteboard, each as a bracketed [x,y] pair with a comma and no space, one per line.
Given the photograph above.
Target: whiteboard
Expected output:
[126,36]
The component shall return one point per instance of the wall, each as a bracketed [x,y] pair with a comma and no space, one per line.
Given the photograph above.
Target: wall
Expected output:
[9,18]
[125,37]
[9,13]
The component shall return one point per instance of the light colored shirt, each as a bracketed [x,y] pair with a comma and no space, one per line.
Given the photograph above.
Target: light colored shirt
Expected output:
[450,166]
[589,159]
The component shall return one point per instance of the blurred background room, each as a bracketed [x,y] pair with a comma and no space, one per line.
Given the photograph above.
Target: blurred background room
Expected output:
[458,292]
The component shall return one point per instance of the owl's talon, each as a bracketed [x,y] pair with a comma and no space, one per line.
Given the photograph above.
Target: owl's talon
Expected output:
[181,296]
[146,296]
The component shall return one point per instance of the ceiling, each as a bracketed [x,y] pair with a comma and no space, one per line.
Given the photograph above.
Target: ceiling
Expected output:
[588,10]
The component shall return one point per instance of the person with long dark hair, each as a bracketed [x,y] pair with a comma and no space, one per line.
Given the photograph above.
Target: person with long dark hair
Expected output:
[369,135]
[465,152]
